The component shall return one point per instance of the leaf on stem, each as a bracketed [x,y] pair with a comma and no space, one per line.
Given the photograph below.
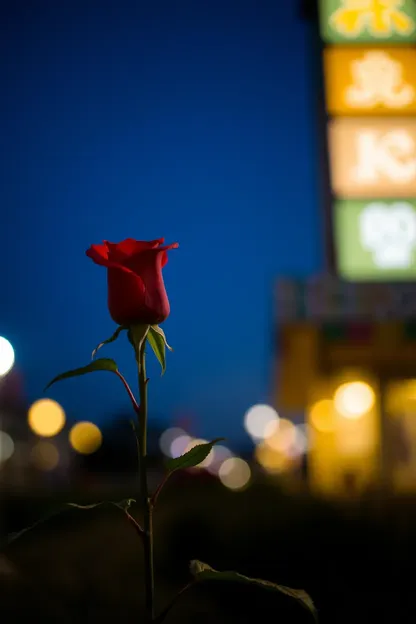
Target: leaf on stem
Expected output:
[203,572]
[193,457]
[103,364]
[111,339]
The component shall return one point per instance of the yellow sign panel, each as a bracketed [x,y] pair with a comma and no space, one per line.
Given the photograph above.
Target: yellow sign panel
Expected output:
[373,158]
[361,80]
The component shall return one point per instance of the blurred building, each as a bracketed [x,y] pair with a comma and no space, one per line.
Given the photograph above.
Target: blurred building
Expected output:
[346,339]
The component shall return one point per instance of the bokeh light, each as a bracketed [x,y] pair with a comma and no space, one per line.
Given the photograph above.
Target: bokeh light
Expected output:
[272,460]
[46,418]
[45,455]
[234,473]
[261,421]
[353,400]
[179,445]
[85,438]
[168,437]
[321,416]
[6,446]
[221,453]
[6,356]
[284,437]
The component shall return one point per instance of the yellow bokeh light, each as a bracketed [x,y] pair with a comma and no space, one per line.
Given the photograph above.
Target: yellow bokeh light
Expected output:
[321,416]
[284,438]
[45,455]
[234,473]
[85,438]
[46,418]
[353,400]
[272,460]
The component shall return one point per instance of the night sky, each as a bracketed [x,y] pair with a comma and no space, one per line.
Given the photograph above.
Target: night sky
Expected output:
[187,119]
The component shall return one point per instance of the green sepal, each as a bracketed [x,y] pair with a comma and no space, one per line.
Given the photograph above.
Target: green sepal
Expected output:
[137,336]
[193,457]
[157,340]
[103,364]
[203,572]
[111,339]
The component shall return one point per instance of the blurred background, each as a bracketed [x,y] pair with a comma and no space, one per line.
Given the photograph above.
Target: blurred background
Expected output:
[276,142]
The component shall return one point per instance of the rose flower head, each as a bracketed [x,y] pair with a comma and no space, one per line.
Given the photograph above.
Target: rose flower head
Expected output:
[136,290]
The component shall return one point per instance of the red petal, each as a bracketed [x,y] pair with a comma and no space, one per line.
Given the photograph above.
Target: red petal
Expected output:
[129,247]
[99,254]
[136,262]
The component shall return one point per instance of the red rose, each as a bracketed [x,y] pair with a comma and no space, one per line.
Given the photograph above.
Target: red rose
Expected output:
[136,291]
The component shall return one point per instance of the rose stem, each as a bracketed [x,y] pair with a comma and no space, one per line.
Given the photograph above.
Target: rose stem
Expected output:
[146,502]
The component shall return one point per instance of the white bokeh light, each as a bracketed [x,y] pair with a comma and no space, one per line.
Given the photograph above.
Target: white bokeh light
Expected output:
[168,437]
[261,421]
[6,446]
[234,473]
[6,356]
[221,453]
[179,445]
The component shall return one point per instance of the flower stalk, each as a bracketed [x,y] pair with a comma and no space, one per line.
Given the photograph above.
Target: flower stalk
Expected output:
[144,490]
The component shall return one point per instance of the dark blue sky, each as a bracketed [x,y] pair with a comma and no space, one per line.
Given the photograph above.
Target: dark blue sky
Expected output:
[192,120]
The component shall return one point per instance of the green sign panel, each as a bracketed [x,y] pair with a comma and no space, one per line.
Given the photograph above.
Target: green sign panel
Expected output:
[368,21]
[375,240]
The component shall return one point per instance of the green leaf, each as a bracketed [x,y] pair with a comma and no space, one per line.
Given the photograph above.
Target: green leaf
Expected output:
[91,506]
[111,339]
[203,572]
[103,364]
[161,333]
[158,345]
[192,458]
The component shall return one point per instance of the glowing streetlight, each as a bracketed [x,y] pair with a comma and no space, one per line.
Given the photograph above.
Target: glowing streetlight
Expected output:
[353,400]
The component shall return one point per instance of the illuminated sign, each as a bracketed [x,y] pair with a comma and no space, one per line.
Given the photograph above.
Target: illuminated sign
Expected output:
[373,157]
[370,80]
[376,240]
[368,21]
